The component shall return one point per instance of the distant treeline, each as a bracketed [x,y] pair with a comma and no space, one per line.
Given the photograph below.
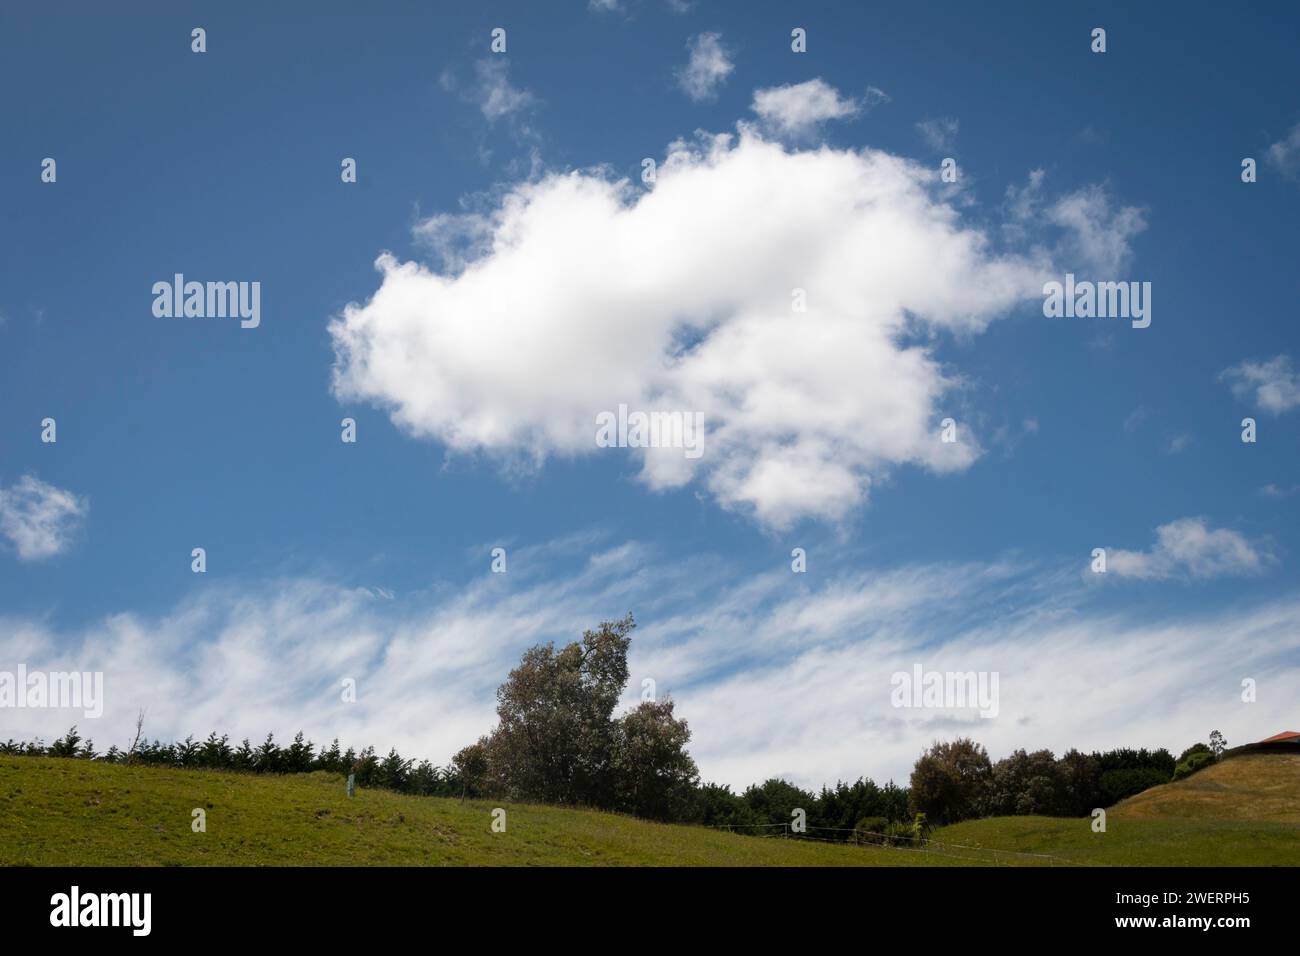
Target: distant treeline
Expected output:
[955,780]
[951,781]
[709,804]
[558,742]
[392,772]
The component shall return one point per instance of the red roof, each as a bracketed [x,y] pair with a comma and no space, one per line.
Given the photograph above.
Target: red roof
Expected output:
[1284,735]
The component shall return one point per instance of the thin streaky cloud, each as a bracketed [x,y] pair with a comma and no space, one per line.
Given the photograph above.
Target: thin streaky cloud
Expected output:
[759,669]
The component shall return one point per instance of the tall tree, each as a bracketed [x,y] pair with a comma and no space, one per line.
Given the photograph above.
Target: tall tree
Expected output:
[950,781]
[554,741]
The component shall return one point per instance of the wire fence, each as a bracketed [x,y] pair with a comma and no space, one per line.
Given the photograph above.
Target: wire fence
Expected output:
[890,841]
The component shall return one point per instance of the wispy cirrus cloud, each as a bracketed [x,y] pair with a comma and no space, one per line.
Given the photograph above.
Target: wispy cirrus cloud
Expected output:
[1101,233]
[507,109]
[1279,492]
[775,673]
[1095,233]
[1273,385]
[706,69]
[799,109]
[493,92]
[1284,155]
[1190,548]
[627,6]
[939,134]
[40,520]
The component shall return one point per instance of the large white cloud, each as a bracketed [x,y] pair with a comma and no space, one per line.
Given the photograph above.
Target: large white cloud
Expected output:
[578,293]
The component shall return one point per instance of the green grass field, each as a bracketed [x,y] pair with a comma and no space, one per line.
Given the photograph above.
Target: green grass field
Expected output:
[75,812]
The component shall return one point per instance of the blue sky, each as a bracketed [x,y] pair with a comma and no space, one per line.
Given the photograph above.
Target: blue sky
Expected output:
[372,559]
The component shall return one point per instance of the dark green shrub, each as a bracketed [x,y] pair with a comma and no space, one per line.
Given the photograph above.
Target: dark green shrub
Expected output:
[902,834]
[1197,748]
[1116,785]
[1193,763]
[871,830]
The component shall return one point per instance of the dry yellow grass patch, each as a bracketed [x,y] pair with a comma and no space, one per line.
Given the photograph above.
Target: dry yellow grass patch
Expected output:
[1250,787]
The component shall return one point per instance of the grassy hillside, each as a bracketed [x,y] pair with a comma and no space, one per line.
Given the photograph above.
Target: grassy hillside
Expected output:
[1250,787]
[75,812]
[1243,811]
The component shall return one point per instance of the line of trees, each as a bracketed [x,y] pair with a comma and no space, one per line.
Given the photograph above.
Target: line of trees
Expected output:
[833,813]
[768,804]
[393,772]
[558,741]
[955,780]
